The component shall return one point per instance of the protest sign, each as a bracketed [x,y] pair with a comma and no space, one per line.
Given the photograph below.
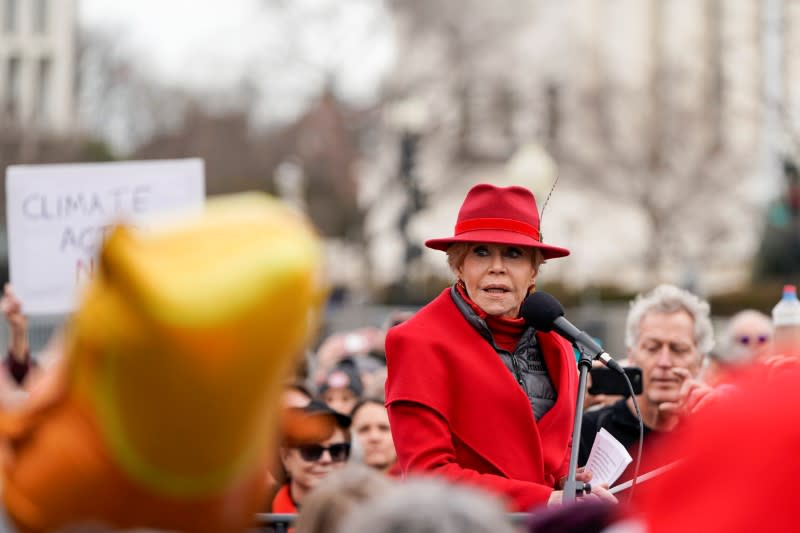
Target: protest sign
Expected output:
[58,215]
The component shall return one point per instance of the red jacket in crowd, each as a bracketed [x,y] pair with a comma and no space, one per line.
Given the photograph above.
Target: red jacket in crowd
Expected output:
[456,410]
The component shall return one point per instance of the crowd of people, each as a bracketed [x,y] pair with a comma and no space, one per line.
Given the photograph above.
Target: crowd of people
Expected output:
[449,418]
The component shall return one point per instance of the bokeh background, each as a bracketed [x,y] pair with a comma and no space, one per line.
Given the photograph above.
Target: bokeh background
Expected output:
[660,136]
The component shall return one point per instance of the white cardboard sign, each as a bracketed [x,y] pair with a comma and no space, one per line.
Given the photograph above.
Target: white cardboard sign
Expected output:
[57,217]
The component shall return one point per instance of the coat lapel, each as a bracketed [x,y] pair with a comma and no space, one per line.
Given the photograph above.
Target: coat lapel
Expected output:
[491,413]
[558,421]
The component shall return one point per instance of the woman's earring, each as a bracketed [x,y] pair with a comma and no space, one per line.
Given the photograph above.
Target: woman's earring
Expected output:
[532,288]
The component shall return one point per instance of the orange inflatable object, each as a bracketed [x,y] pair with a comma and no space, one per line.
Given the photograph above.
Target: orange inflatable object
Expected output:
[164,411]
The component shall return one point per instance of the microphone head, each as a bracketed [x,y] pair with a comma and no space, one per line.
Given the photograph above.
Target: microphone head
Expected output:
[540,310]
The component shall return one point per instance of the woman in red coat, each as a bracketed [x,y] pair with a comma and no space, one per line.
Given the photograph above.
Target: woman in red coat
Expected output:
[472,392]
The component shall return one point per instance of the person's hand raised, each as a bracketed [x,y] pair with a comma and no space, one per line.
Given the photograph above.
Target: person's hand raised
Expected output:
[17,323]
[12,309]
[693,395]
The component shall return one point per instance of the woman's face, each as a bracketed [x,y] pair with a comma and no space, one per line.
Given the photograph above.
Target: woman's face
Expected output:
[371,428]
[340,399]
[306,474]
[498,276]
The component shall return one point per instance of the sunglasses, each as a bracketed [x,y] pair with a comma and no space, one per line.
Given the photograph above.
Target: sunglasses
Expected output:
[312,452]
[747,340]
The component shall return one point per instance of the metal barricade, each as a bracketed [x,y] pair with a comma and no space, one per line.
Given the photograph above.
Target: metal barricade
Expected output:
[280,523]
[275,522]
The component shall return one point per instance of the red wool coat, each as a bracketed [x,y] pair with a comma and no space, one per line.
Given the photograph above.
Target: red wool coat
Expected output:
[456,410]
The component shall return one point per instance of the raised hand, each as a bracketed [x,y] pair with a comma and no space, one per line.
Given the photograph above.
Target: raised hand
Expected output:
[11,307]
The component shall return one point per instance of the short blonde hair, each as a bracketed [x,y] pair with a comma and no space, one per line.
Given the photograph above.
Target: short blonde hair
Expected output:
[457,252]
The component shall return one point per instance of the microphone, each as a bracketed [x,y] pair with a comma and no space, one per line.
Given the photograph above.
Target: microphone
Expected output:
[542,311]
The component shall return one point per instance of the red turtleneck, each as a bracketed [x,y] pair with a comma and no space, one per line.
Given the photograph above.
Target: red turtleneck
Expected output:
[506,331]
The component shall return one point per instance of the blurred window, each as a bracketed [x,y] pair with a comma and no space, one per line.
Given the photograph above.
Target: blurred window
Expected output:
[42,91]
[40,12]
[12,85]
[9,15]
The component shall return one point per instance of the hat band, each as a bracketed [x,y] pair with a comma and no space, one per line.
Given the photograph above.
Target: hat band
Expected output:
[501,224]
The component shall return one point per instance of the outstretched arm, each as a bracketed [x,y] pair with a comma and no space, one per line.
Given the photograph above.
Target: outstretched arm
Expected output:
[19,360]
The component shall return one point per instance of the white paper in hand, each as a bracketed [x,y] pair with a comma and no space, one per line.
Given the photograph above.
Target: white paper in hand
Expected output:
[608,459]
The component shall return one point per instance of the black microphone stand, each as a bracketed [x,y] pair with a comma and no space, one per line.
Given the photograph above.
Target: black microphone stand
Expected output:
[571,487]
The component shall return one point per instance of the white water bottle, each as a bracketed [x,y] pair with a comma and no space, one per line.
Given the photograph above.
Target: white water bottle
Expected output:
[787,311]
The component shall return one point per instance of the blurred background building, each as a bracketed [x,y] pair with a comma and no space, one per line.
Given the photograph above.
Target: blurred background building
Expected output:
[650,112]
[660,136]
[38,54]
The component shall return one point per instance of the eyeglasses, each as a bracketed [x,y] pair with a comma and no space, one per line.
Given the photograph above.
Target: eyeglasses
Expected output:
[747,340]
[312,452]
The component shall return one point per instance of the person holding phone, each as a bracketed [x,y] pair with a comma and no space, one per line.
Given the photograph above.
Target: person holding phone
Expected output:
[668,332]
[605,386]
[473,393]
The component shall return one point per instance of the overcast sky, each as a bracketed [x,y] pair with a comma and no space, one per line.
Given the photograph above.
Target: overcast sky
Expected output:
[210,43]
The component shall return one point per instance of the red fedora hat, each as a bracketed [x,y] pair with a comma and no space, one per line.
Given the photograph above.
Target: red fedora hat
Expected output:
[500,215]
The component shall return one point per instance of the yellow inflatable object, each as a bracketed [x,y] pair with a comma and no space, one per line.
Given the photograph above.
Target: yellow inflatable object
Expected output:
[176,358]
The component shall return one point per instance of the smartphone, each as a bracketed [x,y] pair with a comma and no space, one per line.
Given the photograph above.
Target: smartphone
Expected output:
[607,381]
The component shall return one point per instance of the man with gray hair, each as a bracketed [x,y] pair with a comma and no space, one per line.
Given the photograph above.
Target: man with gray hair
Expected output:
[667,334]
